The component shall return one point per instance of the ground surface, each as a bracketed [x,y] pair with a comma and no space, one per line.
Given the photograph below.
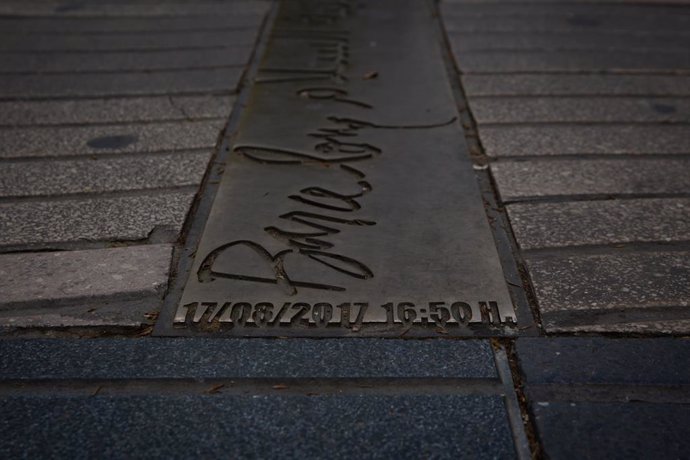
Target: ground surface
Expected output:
[576,119]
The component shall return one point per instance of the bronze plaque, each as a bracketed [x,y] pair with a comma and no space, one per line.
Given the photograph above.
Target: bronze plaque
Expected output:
[348,205]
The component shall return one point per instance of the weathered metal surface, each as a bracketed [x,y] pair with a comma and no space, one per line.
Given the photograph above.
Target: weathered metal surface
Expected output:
[349,205]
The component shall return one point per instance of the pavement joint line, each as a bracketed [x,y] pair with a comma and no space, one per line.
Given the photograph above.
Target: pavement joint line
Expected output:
[119,71]
[105,155]
[62,97]
[611,392]
[592,156]
[121,50]
[606,249]
[251,386]
[28,33]
[106,194]
[513,266]
[620,315]
[594,197]
[540,124]
[197,216]
[603,72]
[110,123]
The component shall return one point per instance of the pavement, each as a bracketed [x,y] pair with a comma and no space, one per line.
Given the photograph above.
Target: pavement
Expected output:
[114,119]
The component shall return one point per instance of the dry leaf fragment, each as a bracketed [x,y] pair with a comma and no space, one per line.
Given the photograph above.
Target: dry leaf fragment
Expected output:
[280,386]
[215,389]
[370,75]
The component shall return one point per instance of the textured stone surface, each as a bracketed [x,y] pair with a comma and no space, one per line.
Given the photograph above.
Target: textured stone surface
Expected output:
[607,222]
[605,431]
[76,220]
[21,113]
[120,84]
[576,85]
[500,141]
[599,360]
[572,61]
[241,358]
[536,178]
[81,279]
[348,426]
[89,61]
[58,177]
[150,137]
[129,41]
[611,289]
[575,110]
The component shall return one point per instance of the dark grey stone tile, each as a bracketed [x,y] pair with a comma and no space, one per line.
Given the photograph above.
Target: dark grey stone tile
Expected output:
[606,222]
[573,61]
[612,431]
[502,141]
[542,8]
[576,85]
[120,84]
[518,180]
[105,139]
[156,108]
[59,177]
[67,287]
[83,219]
[579,110]
[333,427]
[241,358]
[618,292]
[600,361]
[128,41]
[129,24]
[90,61]
[206,8]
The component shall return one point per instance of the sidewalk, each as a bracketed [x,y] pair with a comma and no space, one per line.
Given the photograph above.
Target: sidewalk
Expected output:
[520,167]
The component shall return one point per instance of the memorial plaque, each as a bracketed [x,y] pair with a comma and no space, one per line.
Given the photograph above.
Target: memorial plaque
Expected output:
[348,205]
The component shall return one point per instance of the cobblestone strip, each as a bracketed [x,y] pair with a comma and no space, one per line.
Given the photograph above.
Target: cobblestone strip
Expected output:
[582,109]
[111,115]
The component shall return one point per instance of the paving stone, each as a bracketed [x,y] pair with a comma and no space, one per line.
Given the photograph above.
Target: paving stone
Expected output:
[33,283]
[628,288]
[106,139]
[120,84]
[501,141]
[59,177]
[606,222]
[569,9]
[607,431]
[599,360]
[127,41]
[573,61]
[77,220]
[518,180]
[163,358]
[579,110]
[26,113]
[140,61]
[591,22]
[372,426]
[22,8]
[576,85]
[462,42]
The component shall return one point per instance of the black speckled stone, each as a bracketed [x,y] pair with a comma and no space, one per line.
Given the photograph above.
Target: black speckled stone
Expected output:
[238,358]
[584,360]
[613,431]
[333,427]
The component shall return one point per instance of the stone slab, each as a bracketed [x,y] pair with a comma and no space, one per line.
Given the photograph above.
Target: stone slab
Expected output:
[579,110]
[603,40]
[83,279]
[125,218]
[260,358]
[120,84]
[629,290]
[519,180]
[573,61]
[60,177]
[605,222]
[259,426]
[139,61]
[135,109]
[599,361]
[129,24]
[337,205]
[127,41]
[513,141]
[107,139]
[608,430]
[576,85]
